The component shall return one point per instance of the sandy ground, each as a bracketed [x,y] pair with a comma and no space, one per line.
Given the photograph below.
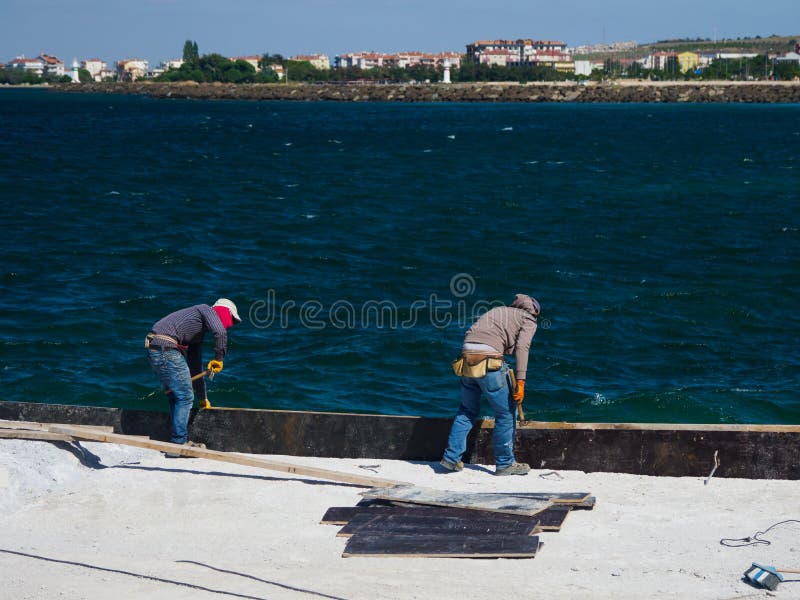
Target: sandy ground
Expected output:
[143,526]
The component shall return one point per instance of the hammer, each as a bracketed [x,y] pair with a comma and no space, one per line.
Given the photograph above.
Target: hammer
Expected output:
[210,372]
[766,575]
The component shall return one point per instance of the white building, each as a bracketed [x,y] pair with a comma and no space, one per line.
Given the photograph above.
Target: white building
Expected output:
[704,59]
[278,70]
[52,65]
[404,60]
[735,55]
[97,68]
[583,67]
[29,65]
[318,61]
[360,60]
[172,63]
[498,56]
[522,51]
[132,69]
[789,57]
[250,60]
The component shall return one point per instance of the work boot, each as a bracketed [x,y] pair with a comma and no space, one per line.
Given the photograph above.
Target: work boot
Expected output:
[514,469]
[188,443]
[451,466]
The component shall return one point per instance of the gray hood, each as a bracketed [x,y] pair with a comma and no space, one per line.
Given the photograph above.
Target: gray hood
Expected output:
[526,303]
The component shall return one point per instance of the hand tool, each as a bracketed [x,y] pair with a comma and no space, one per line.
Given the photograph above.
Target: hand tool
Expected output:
[204,403]
[766,575]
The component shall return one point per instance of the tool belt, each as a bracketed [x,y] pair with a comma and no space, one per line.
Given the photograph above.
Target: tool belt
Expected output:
[472,364]
[152,339]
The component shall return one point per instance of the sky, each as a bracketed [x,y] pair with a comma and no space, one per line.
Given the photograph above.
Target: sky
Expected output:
[157,29]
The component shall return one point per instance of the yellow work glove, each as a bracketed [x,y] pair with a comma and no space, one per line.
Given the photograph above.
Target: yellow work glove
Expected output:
[519,393]
[215,366]
[204,403]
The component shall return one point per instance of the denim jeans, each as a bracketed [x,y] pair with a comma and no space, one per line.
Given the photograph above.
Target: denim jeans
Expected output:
[495,386]
[173,372]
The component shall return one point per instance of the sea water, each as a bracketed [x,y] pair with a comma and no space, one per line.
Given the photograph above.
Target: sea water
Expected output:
[360,241]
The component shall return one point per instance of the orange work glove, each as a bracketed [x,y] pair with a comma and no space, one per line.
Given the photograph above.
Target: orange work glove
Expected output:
[214,366]
[519,393]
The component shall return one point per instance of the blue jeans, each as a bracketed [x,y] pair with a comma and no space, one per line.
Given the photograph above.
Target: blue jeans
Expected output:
[173,372]
[495,386]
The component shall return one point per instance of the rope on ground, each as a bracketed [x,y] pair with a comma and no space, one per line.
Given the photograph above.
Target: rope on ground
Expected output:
[755,539]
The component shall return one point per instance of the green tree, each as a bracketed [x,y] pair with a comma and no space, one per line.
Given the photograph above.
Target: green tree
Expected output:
[299,70]
[758,67]
[84,76]
[190,51]
[786,70]
[239,71]
[672,68]
[268,59]
[18,76]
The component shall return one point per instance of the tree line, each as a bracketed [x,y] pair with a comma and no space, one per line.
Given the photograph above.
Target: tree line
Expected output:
[15,76]
[739,69]
[215,67]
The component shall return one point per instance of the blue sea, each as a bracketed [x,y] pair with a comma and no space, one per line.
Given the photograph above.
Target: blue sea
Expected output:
[360,241]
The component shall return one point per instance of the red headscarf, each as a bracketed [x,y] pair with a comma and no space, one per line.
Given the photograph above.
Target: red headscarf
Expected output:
[225,316]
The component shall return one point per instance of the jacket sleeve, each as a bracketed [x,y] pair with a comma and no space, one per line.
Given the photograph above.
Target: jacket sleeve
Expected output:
[212,323]
[523,346]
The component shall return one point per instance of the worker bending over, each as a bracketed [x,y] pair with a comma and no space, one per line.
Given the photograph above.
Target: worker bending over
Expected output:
[482,370]
[175,351]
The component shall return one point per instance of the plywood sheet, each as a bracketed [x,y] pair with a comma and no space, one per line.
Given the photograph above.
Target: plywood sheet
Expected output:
[472,500]
[384,522]
[442,546]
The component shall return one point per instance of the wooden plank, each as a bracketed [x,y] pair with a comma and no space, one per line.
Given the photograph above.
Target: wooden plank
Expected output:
[569,498]
[384,522]
[341,515]
[488,423]
[22,434]
[442,546]
[33,426]
[473,500]
[551,519]
[587,504]
[127,440]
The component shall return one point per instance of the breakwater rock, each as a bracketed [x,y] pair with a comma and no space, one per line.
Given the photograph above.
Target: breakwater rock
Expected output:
[746,92]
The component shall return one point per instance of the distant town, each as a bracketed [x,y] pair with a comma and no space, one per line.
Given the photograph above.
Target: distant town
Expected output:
[483,60]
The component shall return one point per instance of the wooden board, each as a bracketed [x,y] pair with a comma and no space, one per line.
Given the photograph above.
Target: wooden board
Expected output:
[551,519]
[35,426]
[473,500]
[384,522]
[488,423]
[128,440]
[569,498]
[23,434]
[442,546]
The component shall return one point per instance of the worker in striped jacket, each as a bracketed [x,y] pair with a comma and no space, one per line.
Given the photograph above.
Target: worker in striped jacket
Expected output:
[175,351]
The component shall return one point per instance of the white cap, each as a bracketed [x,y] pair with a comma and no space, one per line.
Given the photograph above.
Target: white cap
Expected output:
[230,306]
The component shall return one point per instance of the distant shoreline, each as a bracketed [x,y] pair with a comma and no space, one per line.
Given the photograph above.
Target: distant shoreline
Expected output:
[768,92]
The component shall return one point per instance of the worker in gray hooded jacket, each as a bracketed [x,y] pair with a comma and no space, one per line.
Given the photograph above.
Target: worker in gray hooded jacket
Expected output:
[504,330]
